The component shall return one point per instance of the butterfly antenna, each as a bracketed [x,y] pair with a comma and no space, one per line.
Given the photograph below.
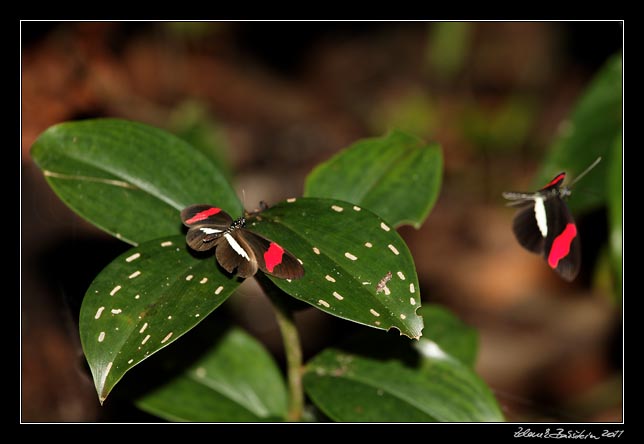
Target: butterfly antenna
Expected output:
[586,171]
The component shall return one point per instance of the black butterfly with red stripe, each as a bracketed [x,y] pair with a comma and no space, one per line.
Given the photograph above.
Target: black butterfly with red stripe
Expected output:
[545,226]
[237,249]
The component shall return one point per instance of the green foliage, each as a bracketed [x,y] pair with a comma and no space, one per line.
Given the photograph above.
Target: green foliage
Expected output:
[127,178]
[396,176]
[235,380]
[345,253]
[594,125]
[450,333]
[143,301]
[384,379]
[132,180]
[615,210]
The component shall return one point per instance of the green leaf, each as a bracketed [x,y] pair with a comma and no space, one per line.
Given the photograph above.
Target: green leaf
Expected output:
[396,176]
[235,381]
[346,251]
[615,210]
[450,333]
[591,131]
[127,178]
[352,388]
[142,302]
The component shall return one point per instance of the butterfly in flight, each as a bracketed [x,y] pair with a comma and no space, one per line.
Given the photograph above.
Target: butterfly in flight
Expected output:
[544,225]
[236,247]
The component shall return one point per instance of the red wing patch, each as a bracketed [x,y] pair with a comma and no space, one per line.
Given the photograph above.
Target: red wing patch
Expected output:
[561,245]
[557,181]
[203,215]
[273,256]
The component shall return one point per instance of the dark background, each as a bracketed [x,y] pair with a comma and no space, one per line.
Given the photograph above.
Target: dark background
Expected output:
[275,99]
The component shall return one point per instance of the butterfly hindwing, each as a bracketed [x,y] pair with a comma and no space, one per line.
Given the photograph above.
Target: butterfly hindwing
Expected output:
[233,253]
[562,249]
[272,258]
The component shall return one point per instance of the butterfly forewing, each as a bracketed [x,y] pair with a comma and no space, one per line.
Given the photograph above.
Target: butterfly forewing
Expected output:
[206,225]
[272,258]
[527,231]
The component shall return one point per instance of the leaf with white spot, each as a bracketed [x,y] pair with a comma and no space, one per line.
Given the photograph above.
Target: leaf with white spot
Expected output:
[397,176]
[345,254]
[127,178]
[237,380]
[349,387]
[143,301]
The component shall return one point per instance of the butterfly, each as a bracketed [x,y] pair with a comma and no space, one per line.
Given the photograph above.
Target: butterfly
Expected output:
[544,225]
[237,248]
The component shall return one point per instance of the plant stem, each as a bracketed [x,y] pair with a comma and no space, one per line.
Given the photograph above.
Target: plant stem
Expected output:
[292,348]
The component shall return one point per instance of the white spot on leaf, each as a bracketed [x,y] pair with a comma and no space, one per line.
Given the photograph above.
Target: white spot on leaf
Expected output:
[338,296]
[393,249]
[316,250]
[130,361]
[135,274]
[219,289]
[329,278]
[116,311]
[203,281]
[401,275]
[350,256]
[145,339]
[412,301]
[166,243]
[291,199]
[200,372]
[402,316]
[337,208]
[143,328]
[114,290]
[384,226]
[324,303]
[137,296]
[168,336]
[135,256]
[374,312]
[189,277]
[368,244]
[99,312]
[412,289]
[356,208]
[101,336]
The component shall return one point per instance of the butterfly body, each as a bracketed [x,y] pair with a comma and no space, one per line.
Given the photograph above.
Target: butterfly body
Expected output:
[237,249]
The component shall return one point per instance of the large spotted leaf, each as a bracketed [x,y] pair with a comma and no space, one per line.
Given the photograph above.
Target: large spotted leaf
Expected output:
[142,302]
[397,176]
[356,266]
[128,178]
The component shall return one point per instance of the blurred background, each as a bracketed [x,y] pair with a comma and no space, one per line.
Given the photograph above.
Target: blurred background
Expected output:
[272,100]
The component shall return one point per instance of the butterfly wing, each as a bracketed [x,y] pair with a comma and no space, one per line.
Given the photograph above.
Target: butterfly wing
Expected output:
[526,230]
[562,249]
[206,225]
[233,253]
[272,258]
